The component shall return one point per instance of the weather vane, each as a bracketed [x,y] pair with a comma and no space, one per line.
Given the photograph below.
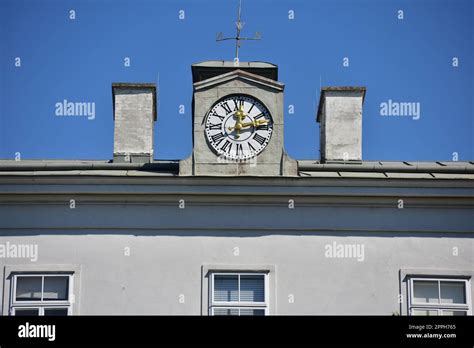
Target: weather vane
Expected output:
[239,25]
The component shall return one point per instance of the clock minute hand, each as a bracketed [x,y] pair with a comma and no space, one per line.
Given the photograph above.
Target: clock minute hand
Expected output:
[240,115]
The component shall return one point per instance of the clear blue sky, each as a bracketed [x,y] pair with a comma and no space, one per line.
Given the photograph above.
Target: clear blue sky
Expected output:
[407,60]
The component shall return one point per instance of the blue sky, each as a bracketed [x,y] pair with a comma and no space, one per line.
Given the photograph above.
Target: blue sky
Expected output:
[408,60]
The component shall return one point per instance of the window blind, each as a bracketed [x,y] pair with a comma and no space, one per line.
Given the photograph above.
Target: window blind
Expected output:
[252,288]
[55,288]
[452,292]
[28,289]
[226,288]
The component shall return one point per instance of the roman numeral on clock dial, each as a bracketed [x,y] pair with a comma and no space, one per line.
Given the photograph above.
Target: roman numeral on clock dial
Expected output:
[215,114]
[215,126]
[239,149]
[252,148]
[226,107]
[217,138]
[251,108]
[259,139]
[238,103]
[227,146]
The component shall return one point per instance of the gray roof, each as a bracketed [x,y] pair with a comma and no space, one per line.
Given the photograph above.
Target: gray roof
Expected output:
[307,168]
[388,169]
[208,69]
[91,168]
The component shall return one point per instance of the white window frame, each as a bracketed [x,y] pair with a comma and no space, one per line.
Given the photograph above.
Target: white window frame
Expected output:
[239,304]
[42,304]
[440,307]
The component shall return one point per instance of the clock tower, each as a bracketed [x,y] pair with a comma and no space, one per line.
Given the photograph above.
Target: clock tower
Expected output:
[237,121]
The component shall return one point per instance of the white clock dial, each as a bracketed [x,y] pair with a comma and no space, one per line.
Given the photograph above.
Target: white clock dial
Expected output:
[238,127]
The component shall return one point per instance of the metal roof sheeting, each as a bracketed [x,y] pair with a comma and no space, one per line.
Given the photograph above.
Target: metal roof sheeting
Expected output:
[307,168]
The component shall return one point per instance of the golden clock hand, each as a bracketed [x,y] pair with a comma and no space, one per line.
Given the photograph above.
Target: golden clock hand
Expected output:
[248,124]
[240,115]
[254,123]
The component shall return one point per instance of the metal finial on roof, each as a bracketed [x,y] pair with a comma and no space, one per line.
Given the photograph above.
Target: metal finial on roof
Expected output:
[239,25]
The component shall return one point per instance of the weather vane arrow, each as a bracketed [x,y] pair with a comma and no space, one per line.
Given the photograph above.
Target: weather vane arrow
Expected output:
[239,25]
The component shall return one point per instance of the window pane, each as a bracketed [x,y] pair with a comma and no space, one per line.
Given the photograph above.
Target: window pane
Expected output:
[28,288]
[55,311]
[26,312]
[251,311]
[226,311]
[55,288]
[425,291]
[454,313]
[226,288]
[425,312]
[252,288]
[452,292]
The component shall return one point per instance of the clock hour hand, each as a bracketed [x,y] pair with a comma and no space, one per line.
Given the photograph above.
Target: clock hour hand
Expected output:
[248,124]
[254,123]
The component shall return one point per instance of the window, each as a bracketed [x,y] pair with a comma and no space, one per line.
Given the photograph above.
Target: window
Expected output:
[428,296]
[238,294]
[41,294]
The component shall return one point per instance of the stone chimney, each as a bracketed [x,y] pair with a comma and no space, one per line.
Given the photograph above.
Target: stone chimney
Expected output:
[340,118]
[134,107]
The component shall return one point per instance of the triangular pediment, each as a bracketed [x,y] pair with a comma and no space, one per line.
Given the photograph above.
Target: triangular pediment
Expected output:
[239,74]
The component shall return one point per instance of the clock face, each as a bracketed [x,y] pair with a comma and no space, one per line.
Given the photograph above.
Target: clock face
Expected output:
[238,127]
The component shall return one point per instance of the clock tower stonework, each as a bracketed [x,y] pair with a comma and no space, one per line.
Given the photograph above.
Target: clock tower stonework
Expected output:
[215,80]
